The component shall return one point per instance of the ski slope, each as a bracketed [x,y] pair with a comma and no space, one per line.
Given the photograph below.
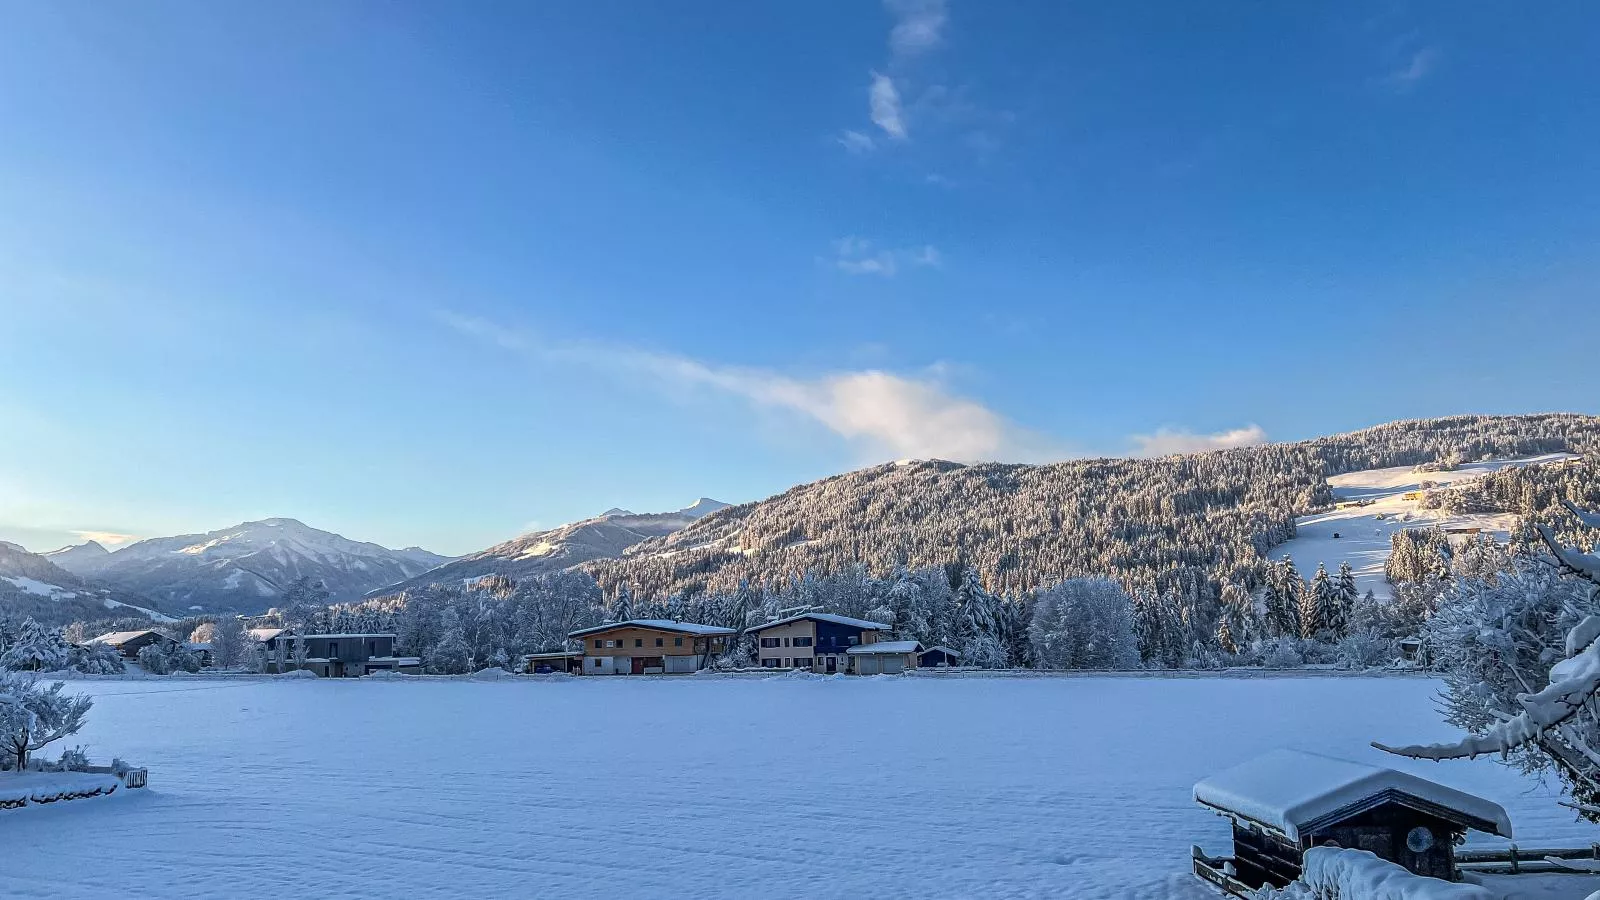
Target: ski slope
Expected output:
[696,787]
[1364,531]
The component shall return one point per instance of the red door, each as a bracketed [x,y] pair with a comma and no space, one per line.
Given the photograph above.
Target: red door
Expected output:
[638,665]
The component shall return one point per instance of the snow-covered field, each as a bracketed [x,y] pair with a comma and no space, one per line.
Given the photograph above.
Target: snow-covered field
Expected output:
[702,787]
[1364,531]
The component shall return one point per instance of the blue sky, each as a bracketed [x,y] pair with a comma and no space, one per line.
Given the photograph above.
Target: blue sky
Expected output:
[436,274]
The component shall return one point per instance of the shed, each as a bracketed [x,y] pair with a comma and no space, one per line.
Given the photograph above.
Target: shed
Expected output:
[938,656]
[1288,801]
[569,661]
[883,657]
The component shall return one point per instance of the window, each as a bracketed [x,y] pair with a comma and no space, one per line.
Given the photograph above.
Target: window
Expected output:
[638,642]
[802,662]
[786,642]
[677,642]
[659,642]
[333,652]
[769,664]
[802,642]
[788,663]
[598,643]
[769,642]
[596,661]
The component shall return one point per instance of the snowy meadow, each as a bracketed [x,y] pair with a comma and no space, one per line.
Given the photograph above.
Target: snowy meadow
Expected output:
[707,786]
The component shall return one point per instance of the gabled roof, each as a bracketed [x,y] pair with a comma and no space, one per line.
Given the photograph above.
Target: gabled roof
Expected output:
[942,649]
[656,625]
[1295,792]
[846,621]
[266,634]
[885,648]
[118,638]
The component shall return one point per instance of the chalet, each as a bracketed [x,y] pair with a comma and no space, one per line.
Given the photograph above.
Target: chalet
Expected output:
[568,661]
[129,643]
[1288,801]
[650,647]
[883,657]
[938,657]
[820,642]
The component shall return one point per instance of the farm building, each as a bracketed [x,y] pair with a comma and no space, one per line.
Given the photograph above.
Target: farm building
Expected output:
[1288,801]
[129,643]
[650,647]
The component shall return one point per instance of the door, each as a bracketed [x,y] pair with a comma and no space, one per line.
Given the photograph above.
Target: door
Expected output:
[638,665]
[833,664]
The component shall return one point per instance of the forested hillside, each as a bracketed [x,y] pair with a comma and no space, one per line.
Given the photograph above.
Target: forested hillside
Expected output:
[1187,524]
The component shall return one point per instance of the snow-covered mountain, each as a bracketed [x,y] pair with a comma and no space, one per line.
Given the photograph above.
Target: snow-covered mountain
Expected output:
[32,585]
[246,567]
[606,536]
[86,555]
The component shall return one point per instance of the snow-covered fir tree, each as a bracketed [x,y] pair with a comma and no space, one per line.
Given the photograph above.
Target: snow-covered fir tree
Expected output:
[33,715]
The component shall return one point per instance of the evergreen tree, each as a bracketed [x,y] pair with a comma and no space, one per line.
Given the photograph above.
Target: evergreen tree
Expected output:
[1314,605]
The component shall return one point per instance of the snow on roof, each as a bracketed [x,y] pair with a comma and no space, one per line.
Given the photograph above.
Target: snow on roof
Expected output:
[657,624]
[885,648]
[1291,789]
[116,638]
[846,621]
[376,634]
[266,634]
[942,649]
[553,654]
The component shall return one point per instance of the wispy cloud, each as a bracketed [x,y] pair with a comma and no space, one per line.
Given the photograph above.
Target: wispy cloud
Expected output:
[856,142]
[883,99]
[106,537]
[918,27]
[884,414]
[1419,65]
[858,256]
[1168,441]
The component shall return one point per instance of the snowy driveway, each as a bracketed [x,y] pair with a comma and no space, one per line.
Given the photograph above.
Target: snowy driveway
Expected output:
[704,787]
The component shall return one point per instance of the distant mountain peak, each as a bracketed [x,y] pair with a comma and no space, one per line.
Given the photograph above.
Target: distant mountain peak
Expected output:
[616,511]
[703,507]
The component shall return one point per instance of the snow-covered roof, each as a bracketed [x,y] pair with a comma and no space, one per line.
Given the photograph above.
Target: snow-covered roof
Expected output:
[942,649]
[266,634]
[1293,790]
[118,638]
[885,648]
[377,634]
[846,621]
[658,625]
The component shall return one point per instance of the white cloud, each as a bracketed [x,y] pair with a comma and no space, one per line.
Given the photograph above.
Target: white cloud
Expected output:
[106,537]
[919,26]
[884,100]
[856,142]
[857,256]
[886,415]
[1166,441]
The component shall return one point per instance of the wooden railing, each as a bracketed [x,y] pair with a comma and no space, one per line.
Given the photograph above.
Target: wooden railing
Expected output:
[1516,860]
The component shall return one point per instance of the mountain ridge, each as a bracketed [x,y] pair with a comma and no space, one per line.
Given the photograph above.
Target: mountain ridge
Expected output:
[244,567]
[605,536]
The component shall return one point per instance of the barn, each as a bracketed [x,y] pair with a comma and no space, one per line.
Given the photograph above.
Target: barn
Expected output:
[1288,801]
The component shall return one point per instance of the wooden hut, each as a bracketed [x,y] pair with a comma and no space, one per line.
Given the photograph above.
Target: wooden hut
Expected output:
[1288,801]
